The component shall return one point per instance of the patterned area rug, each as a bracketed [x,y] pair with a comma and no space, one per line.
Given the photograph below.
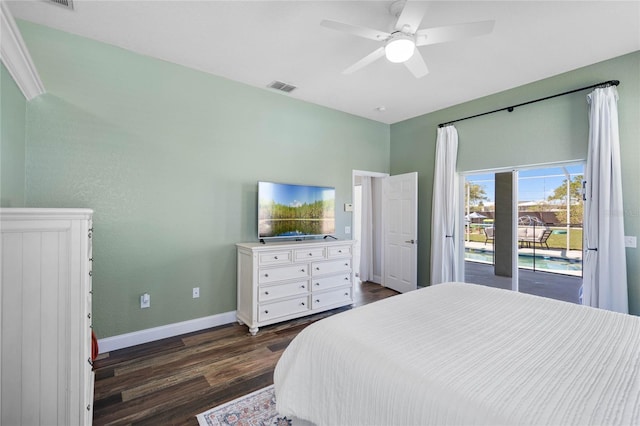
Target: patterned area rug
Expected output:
[255,409]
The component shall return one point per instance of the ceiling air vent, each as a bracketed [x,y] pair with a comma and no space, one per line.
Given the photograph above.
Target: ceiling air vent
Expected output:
[283,87]
[64,3]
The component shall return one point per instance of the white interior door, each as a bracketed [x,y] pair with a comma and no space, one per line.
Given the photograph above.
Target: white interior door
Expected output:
[400,218]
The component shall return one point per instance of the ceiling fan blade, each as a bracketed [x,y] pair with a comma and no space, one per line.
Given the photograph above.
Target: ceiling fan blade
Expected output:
[356,30]
[416,65]
[453,32]
[371,57]
[412,15]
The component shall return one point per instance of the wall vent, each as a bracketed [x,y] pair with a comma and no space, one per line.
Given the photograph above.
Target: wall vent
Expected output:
[283,87]
[64,3]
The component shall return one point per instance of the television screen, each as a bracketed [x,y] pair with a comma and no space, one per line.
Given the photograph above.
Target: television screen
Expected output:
[289,211]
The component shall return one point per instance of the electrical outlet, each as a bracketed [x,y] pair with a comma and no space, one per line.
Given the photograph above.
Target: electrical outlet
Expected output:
[630,241]
[145,301]
[196,292]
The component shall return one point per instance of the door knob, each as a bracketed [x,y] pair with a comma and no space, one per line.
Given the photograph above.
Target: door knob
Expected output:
[411,241]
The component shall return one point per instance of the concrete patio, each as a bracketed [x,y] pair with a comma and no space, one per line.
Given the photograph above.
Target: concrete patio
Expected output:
[545,284]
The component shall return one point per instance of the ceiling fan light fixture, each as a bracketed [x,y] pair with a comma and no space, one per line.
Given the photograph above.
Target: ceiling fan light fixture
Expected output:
[399,49]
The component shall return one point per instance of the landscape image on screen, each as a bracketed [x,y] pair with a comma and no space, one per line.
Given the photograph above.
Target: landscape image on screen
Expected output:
[286,210]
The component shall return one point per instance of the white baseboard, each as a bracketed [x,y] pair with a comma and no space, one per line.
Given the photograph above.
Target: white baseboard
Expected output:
[170,330]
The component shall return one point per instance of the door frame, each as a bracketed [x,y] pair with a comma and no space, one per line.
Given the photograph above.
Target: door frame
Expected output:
[514,222]
[355,173]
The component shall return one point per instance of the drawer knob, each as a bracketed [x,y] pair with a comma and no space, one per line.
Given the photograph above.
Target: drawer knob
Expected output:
[89,407]
[339,251]
[318,284]
[89,315]
[346,278]
[317,268]
[302,270]
[317,300]
[266,312]
[275,257]
[266,292]
[310,254]
[266,275]
[302,303]
[346,264]
[302,286]
[346,294]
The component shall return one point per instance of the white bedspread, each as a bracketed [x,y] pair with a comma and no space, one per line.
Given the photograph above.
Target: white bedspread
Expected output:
[464,354]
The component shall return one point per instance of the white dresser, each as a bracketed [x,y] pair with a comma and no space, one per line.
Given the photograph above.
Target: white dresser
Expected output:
[281,281]
[47,375]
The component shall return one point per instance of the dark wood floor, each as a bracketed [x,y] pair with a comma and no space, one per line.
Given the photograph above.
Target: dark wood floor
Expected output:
[172,380]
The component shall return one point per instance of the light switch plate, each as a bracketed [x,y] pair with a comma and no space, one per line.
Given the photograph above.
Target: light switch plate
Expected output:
[347,229]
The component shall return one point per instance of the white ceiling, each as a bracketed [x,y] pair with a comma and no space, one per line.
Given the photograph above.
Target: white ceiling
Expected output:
[256,42]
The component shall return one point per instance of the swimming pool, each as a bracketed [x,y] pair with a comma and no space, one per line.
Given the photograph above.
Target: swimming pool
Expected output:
[559,265]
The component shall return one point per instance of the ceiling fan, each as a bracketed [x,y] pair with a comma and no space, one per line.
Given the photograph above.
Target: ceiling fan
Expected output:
[400,45]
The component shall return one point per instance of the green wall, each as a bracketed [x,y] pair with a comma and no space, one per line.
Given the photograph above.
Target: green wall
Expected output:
[550,131]
[169,159]
[12,141]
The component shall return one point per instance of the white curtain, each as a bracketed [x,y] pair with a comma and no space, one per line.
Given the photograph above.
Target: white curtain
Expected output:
[366,231]
[444,256]
[605,270]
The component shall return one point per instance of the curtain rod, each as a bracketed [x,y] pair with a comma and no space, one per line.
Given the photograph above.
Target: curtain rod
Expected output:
[511,108]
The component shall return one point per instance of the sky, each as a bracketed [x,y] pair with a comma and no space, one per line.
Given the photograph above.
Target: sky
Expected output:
[533,185]
[293,195]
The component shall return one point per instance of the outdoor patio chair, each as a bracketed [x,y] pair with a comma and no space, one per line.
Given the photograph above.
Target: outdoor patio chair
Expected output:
[488,234]
[527,236]
[544,237]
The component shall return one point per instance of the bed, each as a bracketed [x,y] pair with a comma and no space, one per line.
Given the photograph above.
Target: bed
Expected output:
[459,353]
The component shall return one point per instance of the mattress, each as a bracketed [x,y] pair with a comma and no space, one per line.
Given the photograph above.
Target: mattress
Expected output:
[459,353]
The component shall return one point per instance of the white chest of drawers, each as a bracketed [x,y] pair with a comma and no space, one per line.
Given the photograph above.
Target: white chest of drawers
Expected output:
[46,298]
[282,281]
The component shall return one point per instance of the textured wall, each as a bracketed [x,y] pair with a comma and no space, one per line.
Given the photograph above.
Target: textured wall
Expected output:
[550,131]
[12,141]
[169,159]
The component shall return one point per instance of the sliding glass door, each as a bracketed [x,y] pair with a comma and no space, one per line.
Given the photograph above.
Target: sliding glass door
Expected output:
[523,229]
[489,244]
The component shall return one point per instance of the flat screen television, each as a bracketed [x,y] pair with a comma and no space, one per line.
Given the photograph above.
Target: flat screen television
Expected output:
[295,211]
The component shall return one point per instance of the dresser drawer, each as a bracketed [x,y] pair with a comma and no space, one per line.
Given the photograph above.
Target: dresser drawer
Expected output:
[309,254]
[333,297]
[268,275]
[338,251]
[321,268]
[274,258]
[272,292]
[330,282]
[269,311]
